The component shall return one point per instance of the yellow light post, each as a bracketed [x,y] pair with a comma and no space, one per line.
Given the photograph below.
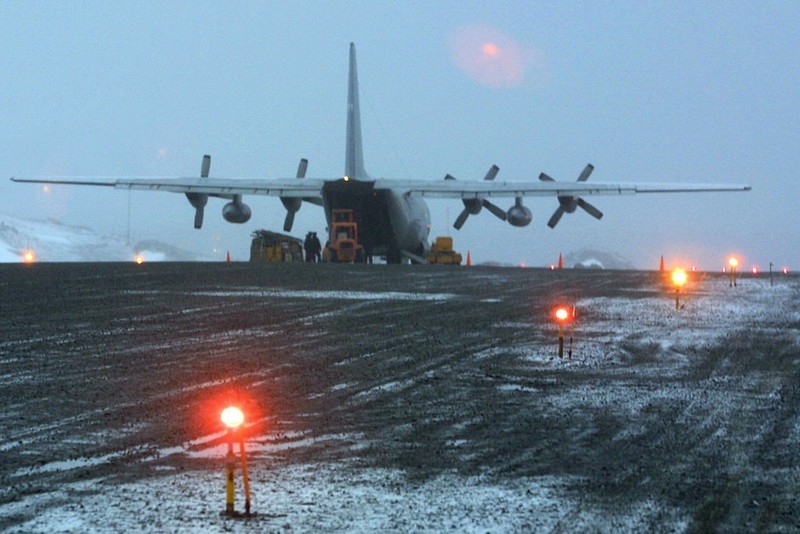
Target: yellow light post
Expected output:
[563,315]
[678,278]
[233,418]
[733,262]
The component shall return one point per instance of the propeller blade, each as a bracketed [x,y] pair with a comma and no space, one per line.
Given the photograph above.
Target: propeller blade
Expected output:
[473,205]
[204,170]
[591,210]
[289,221]
[461,218]
[198,217]
[301,169]
[497,212]
[586,172]
[569,202]
[556,217]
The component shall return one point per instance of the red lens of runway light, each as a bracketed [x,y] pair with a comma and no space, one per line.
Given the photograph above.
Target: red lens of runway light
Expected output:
[232,417]
[679,277]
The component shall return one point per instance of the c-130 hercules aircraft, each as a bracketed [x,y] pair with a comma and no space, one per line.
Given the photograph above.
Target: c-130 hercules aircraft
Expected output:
[392,216]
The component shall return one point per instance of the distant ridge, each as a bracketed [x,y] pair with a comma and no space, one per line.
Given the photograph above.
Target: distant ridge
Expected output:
[596,259]
[52,241]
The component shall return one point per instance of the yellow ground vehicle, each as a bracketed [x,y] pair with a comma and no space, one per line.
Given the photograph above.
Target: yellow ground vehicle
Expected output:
[442,252]
[343,245]
[274,247]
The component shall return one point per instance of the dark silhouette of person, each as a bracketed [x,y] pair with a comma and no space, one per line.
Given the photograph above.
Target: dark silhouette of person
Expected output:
[308,248]
[316,247]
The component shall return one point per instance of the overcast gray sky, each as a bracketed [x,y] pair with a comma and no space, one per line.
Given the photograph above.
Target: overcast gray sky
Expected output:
[651,92]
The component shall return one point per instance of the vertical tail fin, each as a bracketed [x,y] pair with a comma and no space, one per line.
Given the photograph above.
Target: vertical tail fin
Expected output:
[354,156]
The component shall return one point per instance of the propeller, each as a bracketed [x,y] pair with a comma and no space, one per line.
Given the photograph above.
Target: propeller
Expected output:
[568,204]
[473,206]
[199,200]
[293,204]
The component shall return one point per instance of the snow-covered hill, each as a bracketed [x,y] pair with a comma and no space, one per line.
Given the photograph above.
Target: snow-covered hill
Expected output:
[596,259]
[55,242]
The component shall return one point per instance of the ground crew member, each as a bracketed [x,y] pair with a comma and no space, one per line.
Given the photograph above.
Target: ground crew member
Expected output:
[316,247]
[308,248]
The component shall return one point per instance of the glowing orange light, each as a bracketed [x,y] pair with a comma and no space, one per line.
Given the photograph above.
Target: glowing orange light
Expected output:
[733,262]
[679,277]
[139,259]
[562,314]
[490,57]
[490,49]
[28,256]
[232,417]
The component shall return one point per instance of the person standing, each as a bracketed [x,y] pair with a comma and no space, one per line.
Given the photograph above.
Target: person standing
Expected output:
[308,248]
[316,247]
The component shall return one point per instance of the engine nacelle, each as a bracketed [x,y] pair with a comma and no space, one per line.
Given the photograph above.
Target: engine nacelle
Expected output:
[236,212]
[570,204]
[473,205]
[291,203]
[519,215]
[197,200]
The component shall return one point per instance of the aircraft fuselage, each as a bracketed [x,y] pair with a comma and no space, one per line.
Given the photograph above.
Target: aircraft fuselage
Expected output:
[388,222]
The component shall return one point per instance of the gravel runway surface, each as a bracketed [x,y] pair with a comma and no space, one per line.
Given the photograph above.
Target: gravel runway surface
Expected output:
[395,397]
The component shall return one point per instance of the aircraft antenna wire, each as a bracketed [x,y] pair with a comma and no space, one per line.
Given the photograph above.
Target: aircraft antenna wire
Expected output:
[385,133]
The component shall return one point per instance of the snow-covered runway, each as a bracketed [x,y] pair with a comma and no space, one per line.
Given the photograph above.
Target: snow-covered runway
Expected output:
[396,398]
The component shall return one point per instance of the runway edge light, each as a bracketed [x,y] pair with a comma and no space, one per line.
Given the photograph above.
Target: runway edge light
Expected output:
[679,278]
[233,418]
[563,315]
[733,262]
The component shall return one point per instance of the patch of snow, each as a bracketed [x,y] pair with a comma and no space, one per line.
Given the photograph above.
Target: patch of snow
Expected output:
[333,497]
[66,465]
[388,387]
[516,388]
[317,295]
[597,259]
[590,263]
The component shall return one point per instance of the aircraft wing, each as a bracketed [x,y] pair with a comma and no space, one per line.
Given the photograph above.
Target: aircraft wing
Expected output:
[306,188]
[312,187]
[499,189]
